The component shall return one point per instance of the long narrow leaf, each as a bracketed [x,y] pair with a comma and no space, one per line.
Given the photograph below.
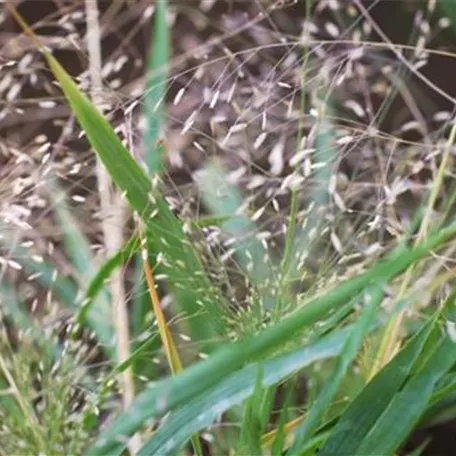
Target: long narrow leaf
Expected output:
[80,254]
[404,412]
[253,258]
[172,354]
[351,349]
[11,305]
[164,232]
[378,393]
[204,410]
[97,282]
[226,201]
[324,157]
[64,289]
[156,90]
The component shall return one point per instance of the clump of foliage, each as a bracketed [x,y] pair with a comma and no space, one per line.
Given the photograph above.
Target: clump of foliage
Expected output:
[278,282]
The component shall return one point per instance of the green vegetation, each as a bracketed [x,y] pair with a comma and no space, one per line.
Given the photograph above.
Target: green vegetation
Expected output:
[239,335]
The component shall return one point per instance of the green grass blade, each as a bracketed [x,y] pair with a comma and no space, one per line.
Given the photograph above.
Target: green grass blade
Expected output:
[76,245]
[378,393]
[324,158]
[63,288]
[96,285]
[12,307]
[156,90]
[197,379]
[251,255]
[141,354]
[141,304]
[165,234]
[407,407]
[201,411]
[251,431]
[420,449]
[80,255]
[372,300]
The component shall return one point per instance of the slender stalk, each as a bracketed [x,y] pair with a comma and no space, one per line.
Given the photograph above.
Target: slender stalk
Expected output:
[113,214]
[169,345]
[391,339]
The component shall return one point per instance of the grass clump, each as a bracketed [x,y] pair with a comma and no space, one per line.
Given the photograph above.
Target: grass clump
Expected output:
[261,233]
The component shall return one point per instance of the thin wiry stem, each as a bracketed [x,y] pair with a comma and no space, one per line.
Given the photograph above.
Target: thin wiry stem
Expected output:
[113,212]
